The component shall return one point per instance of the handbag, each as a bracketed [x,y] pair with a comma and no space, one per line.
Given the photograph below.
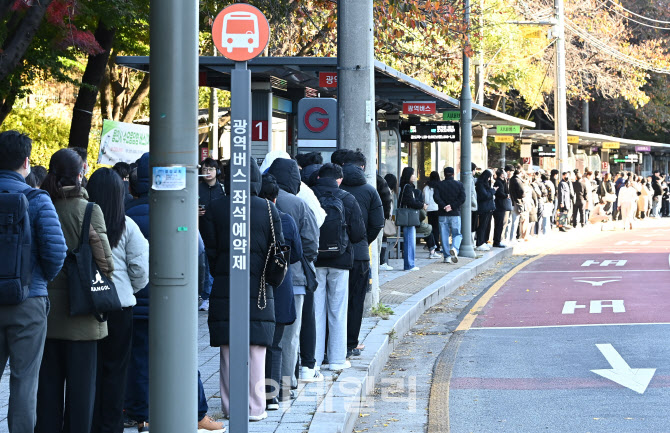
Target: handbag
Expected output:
[407,217]
[390,229]
[91,291]
[507,204]
[610,197]
[276,264]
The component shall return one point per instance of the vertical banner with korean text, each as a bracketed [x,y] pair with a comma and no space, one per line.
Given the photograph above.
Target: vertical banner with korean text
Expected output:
[240,151]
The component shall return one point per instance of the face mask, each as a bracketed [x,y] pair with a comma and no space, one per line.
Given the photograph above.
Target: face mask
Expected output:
[28,170]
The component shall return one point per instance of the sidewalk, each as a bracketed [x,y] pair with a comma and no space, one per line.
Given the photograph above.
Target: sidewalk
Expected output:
[332,405]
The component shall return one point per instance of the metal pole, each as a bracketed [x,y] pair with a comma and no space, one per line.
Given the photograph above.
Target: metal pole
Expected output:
[239,240]
[214,119]
[466,250]
[356,91]
[585,115]
[173,327]
[503,146]
[561,116]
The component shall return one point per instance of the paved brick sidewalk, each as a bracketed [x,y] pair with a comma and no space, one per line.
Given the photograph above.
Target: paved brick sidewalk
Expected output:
[295,416]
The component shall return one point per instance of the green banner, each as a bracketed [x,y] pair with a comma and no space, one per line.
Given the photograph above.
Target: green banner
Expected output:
[451,115]
[508,129]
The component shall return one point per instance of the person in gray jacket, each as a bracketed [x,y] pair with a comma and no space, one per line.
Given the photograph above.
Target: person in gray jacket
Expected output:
[288,179]
[130,251]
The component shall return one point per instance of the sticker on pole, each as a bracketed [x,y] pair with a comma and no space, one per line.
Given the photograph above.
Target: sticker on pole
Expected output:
[240,32]
[168,178]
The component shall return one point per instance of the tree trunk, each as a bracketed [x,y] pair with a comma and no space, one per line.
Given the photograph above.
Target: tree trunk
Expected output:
[82,114]
[106,97]
[136,101]
[7,105]
[18,43]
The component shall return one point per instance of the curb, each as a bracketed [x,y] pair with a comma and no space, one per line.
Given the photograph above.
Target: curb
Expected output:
[340,408]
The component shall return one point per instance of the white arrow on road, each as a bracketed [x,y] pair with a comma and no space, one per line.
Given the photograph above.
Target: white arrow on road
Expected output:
[636,379]
[619,252]
[597,283]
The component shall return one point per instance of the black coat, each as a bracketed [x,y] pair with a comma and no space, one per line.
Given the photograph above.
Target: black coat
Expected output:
[216,234]
[410,197]
[485,197]
[449,192]
[501,195]
[366,195]
[580,193]
[385,195]
[354,221]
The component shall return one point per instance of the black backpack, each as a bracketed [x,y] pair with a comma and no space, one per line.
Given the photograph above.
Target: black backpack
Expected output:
[333,239]
[15,243]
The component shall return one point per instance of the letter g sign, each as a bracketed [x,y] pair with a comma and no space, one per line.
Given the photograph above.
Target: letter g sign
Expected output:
[316,124]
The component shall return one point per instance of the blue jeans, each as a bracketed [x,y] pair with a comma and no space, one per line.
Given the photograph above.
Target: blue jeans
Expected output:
[408,247]
[202,400]
[137,389]
[450,225]
[545,226]
[209,280]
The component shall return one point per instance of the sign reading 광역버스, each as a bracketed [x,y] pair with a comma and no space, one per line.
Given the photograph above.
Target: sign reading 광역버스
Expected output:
[122,142]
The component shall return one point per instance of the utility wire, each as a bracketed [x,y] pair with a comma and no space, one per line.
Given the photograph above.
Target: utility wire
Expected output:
[638,15]
[613,51]
[631,19]
[524,58]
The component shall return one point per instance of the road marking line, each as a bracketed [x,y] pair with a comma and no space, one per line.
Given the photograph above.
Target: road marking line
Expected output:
[636,379]
[470,317]
[594,270]
[488,328]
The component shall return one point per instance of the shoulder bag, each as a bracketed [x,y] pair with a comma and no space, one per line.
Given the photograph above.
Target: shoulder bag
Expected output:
[407,217]
[91,291]
[276,264]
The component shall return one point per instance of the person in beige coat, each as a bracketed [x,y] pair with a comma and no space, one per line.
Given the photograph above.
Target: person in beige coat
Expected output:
[66,390]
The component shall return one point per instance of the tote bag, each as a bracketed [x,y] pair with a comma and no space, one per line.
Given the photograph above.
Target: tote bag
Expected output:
[407,217]
[91,292]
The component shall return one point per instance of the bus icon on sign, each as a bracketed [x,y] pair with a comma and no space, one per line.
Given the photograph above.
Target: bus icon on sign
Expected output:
[240,30]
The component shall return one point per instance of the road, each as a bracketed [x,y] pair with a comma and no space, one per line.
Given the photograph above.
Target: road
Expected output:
[575,340]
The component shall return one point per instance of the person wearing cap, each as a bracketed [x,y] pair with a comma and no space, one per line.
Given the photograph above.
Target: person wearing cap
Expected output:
[450,196]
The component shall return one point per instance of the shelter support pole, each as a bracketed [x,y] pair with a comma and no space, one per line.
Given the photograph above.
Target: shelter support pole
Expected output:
[467,249]
[356,92]
[560,104]
[173,251]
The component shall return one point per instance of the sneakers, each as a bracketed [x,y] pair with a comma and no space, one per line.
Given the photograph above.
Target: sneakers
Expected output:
[310,375]
[454,255]
[385,267]
[482,247]
[434,255]
[338,367]
[448,261]
[208,424]
[143,427]
[415,268]
[272,404]
[353,352]
[204,306]
[261,417]
[500,246]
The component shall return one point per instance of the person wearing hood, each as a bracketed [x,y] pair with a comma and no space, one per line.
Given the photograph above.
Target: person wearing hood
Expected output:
[432,209]
[450,196]
[296,336]
[216,227]
[309,163]
[503,204]
[305,192]
[485,208]
[343,229]
[372,211]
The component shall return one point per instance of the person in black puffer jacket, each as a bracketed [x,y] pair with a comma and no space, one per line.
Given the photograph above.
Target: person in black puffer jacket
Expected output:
[485,207]
[503,205]
[412,198]
[332,273]
[366,195]
[216,230]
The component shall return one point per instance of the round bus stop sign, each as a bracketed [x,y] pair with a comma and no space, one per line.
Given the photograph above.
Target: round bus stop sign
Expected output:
[240,32]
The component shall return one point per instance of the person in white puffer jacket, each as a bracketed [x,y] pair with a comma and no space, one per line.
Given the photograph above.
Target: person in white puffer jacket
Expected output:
[130,251]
